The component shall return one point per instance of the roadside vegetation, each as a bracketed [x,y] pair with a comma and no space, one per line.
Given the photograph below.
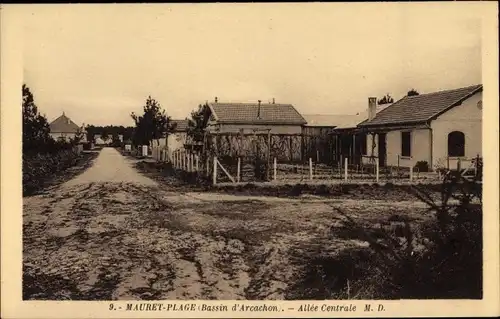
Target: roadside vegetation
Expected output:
[440,258]
[45,159]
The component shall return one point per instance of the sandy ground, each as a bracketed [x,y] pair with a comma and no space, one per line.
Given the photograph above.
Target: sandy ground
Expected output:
[112,233]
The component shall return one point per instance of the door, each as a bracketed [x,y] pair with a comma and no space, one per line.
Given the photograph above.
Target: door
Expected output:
[382,149]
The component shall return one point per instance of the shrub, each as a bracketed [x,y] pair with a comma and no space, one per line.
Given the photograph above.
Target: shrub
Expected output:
[442,258]
[439,259]
[39,166]
[260,169]
[422,166]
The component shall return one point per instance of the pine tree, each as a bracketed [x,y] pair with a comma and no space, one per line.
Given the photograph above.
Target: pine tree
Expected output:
[36,130]
[153,124]
[198,122]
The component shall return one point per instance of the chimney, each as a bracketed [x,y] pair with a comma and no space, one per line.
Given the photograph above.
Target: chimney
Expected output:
[215,99]
[273,100]
[372,108]
[258,110]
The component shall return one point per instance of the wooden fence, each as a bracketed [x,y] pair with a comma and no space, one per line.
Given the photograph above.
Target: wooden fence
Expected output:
[262,157]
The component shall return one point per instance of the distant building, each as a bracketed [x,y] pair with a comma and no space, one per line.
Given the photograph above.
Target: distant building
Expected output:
[176,139]
[63,128]
[249,117]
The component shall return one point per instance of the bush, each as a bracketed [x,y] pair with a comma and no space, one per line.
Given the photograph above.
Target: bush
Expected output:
[38,167]
[441,259]
[422,166]
[260,169]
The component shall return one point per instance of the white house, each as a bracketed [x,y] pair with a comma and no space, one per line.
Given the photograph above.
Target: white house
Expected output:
[440,128]
[175,140]
[178,138]
[63,128]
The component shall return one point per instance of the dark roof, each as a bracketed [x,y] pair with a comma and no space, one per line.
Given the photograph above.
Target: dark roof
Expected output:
[247,113]
[421,108]
[180,125]
[63,124]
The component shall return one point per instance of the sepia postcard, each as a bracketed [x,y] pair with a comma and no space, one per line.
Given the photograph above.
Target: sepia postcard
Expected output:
[251,160]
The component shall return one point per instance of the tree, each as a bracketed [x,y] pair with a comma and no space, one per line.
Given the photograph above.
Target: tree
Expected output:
[198,122]
[36,130]
[413,92]
[104,135]
[387,99]
[153,124]
[78,136]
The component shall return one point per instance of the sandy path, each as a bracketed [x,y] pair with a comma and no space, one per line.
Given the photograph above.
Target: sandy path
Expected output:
[110,166]
[111,233]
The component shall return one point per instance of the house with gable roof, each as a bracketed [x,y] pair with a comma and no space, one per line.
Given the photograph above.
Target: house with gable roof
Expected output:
[251,117]
[63,128]
[440,128]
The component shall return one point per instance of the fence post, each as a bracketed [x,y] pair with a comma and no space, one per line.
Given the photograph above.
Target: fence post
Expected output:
[377,170]
[238,170]
[275,164]
[317,156]
[476,165]
[411,174]
[345,168]
[459,166]
[183,158]
[215,170]
[310,168]
[197,160]
[208,166]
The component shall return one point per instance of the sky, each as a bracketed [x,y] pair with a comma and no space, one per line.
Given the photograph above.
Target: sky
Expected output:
[99,63]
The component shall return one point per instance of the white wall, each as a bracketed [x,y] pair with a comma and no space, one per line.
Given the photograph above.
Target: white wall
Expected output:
[176,141]
[466,118]
[248,128]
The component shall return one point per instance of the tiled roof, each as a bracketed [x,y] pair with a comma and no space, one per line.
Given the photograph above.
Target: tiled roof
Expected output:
[421,108]
[247,113]
[180,125]
[63,124]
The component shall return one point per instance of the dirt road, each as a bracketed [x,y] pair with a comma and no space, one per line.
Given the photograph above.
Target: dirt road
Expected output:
[111,233]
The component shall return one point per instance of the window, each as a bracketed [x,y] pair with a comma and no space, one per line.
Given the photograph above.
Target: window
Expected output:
[406,144]
[456,144]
